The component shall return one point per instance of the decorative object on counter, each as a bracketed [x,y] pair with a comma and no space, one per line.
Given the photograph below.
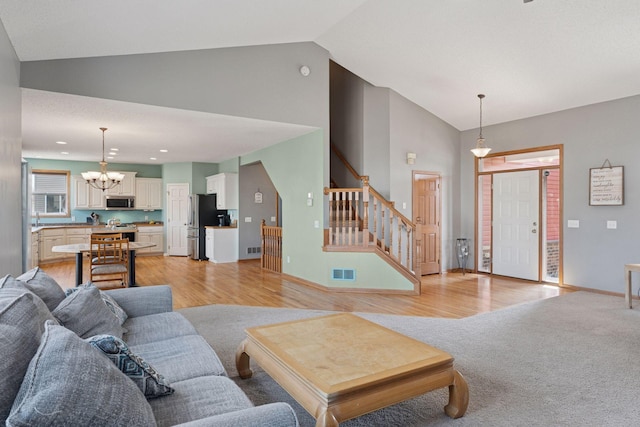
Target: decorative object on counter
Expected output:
[481,150]
[95,218]
[103,180]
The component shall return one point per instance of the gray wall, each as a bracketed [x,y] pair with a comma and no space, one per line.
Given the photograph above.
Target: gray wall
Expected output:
[252,178]
[594,256]
[261,82]
[10,159]
[436,145]
[347,117]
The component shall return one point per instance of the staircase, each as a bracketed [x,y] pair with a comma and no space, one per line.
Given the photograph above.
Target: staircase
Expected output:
[361,220]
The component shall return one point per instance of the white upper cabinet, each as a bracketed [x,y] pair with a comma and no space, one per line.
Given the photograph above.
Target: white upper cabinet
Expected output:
[148,193]
[225,186]
[126,188]
[86,197]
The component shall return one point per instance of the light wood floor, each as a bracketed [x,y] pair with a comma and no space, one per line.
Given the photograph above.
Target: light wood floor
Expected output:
[196,283]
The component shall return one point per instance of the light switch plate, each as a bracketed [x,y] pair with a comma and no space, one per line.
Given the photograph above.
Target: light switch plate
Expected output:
[612,225]
[273,219]
[247,219]
[573,223]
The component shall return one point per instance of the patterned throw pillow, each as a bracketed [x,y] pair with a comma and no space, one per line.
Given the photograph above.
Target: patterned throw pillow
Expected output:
[106,298]
[144,375]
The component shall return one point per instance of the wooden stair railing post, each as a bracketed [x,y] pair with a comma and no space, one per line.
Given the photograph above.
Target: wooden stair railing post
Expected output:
[365,209]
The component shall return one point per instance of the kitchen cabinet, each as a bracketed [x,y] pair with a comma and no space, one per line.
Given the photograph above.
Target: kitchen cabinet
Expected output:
[127,186]
[78,235]
[153,234]
[51,237]
[225,187]
[221,244]
[35,249]
[148,193]
[86,197]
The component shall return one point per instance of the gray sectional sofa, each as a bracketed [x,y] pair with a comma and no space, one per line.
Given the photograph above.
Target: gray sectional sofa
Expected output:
[67,361]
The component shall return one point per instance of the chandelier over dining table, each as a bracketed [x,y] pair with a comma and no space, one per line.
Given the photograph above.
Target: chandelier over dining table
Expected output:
[103,180]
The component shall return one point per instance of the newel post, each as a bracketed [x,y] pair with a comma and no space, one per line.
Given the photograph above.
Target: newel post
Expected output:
[365,213]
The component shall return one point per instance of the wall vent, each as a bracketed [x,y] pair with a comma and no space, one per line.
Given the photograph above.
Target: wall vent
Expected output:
[255,250]
[348,274]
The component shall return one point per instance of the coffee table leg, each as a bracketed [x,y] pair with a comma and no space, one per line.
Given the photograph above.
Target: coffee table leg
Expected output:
[458,396]
[326,419]
[242,361]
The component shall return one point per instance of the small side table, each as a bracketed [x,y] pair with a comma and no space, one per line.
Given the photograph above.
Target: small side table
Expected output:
[628,269]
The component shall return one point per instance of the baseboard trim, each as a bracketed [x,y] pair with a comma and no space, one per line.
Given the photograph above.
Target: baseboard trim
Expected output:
[349,290]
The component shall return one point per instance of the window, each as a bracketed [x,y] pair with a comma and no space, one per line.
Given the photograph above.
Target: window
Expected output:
[50,193]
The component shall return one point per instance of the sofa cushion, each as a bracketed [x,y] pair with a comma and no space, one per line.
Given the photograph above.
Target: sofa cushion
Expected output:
[106,298]
[198,398]
[70,383]
[43,285]
[181,358]
[156,327]
[149,381]
[87,315]
[22,317]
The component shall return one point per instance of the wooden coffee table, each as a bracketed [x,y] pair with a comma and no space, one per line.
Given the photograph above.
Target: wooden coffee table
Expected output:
[342,366]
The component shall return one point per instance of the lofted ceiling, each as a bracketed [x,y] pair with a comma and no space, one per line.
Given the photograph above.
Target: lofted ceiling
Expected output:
[528,58]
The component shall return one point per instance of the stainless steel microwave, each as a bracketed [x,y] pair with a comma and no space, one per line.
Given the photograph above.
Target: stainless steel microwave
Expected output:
[120,203]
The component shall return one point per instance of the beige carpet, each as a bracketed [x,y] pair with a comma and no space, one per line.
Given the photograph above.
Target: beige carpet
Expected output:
[565,361]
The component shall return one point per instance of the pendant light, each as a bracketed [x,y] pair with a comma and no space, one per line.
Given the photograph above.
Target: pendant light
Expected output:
[103,180]
[481,150]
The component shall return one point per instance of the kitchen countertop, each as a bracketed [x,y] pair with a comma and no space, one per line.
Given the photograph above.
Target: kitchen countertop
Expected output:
[102,226]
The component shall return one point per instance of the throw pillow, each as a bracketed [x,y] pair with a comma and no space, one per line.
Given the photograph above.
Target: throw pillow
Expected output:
[70,383]
[107,299]
[148,380]
[43,285]
[22,317]
[86,314]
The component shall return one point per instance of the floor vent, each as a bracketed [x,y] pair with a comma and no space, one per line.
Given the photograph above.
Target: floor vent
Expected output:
[343,274]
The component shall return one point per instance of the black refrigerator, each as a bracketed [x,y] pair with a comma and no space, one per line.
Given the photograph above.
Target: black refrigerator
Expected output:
[202,212]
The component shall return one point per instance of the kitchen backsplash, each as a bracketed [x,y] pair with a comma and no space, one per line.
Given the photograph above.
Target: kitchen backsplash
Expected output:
[80,216]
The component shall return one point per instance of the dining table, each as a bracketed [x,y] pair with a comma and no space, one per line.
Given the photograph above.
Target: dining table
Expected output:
[81,248]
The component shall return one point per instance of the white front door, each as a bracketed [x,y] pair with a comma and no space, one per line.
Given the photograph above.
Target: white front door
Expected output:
[177,212]
[516,200]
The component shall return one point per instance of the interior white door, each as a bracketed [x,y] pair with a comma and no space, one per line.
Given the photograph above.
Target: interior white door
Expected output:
[516,201]
[177,212]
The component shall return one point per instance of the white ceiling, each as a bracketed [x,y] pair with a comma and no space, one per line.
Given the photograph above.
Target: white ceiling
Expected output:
[529,59]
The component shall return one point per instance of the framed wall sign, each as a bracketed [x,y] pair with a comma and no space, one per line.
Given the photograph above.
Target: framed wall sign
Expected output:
[606,186]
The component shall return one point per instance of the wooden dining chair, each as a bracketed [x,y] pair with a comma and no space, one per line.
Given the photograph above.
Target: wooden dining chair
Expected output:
[110,262]
[102,236]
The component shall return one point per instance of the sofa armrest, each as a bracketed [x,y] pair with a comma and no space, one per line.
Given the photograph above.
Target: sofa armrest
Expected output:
[142,301]
[272,414]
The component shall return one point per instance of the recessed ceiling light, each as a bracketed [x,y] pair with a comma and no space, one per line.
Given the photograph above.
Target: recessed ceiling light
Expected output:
[111,153]
[152,158]
[115,149]
[109,158]
[61,142]
[64,152]
[164,151]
